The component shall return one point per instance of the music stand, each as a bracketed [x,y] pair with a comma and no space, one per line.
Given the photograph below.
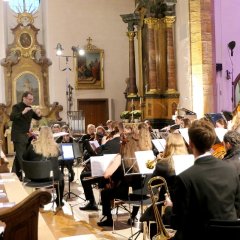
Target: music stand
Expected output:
[134,169]
[68,155]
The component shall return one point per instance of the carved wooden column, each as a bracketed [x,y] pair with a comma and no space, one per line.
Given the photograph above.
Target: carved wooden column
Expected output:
[132,91]
[171,69]
[152,70]
[132,20]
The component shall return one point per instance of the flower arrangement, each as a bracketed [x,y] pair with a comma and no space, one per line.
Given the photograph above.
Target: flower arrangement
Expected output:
[136,114]
[125,115]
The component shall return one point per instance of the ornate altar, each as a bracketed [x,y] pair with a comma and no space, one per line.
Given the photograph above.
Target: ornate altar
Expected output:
[152,23]
[26,69]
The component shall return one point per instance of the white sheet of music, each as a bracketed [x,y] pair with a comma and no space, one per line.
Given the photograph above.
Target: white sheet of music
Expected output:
[220,132]
[59,134]
[94,144]
[99,164]
[142,157]
[184,133]
[182,162]
[159,144]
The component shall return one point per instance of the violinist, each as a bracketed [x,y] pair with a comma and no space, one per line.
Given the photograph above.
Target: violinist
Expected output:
[90,136]
[112,146]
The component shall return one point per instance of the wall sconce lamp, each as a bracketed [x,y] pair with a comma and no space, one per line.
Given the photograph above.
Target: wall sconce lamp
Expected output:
[78,50]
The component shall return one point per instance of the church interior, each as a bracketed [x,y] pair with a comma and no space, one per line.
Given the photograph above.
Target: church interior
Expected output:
[88,62]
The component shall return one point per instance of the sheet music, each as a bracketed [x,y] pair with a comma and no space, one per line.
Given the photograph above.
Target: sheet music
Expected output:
[160,144]
[184,133]
[220,132]
[182,162]
[67,151]
[94,144]
[59,134]
[142,157]
[99,164]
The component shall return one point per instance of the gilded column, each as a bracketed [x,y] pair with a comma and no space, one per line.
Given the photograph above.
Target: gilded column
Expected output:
[152,70]
[171,68]
[132,91]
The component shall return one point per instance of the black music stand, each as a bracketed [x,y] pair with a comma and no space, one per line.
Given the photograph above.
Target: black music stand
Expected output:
[68,155]
[138,197]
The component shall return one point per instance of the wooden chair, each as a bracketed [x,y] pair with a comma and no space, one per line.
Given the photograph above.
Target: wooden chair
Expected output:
[22,219]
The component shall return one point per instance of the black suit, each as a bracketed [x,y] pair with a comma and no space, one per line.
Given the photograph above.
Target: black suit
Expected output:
[19,134]
[207,190]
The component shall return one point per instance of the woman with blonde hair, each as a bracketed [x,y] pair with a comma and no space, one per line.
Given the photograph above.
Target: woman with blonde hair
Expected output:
[175,145]
[45,148]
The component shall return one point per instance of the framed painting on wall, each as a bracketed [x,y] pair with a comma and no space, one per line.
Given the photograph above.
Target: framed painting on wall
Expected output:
[89,68]
[27,82]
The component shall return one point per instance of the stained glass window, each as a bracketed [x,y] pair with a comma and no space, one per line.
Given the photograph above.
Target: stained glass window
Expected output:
[19,6]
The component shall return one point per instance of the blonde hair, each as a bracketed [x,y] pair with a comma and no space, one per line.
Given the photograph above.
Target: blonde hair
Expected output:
[45,143]
[236,121]
[175,145]
[144,142]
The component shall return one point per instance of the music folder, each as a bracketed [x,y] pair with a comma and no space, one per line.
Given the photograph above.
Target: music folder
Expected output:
[67,151]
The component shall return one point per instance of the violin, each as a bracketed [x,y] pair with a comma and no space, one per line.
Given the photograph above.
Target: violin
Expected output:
[218,150]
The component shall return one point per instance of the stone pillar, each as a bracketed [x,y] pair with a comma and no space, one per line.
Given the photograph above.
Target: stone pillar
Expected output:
[152,70]
[132,91]
[131,19]
[171,68]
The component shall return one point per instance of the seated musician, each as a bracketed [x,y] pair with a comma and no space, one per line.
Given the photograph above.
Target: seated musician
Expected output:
[45,148]
[87,151]
[112,146]
[69,163]
[175,145]
[231,141]
[133,141]
[210,189]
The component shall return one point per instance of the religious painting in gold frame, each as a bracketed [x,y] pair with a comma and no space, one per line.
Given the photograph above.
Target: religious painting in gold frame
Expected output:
[89,68]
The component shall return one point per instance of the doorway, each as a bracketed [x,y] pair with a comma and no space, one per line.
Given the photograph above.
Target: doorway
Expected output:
[95,110]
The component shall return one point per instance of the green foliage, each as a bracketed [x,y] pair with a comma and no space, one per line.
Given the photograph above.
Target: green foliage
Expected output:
[136,113]
[125,115]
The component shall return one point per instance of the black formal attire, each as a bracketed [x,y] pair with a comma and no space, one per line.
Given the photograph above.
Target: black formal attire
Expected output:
[111,147]
[233,157]
[19,134]
[118,189]
[31,155]
[207,190]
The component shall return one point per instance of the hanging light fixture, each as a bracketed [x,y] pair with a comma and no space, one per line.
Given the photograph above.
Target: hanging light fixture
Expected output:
[59,49]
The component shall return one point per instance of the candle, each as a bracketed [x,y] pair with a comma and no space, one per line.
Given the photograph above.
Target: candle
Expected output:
[140,101]
[132,102]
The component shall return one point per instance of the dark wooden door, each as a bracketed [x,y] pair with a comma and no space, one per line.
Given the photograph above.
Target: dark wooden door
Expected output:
[95,111]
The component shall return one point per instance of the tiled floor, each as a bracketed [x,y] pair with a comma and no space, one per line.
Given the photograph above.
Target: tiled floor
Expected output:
[72,223]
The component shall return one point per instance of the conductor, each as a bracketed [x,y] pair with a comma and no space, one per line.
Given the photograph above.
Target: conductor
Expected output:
[21,117]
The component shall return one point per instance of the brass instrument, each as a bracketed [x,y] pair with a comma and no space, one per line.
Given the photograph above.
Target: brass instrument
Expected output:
[157,183]
[150,164]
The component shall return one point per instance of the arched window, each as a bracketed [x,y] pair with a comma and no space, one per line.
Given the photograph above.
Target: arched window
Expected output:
[20,6]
